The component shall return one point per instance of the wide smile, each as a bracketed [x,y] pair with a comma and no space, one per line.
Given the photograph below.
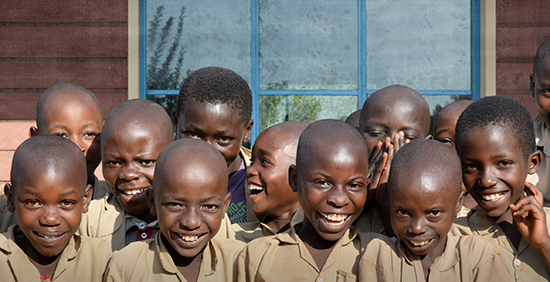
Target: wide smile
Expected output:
[255,190]
[334,219]
[419,246]
[189,241]
[50,238]
[493,197]
[131,194]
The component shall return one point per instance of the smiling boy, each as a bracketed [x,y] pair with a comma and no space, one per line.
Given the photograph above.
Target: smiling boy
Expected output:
[48,194]
[271,198]
[134,134]
[496,145]
[215,105]
[390,117]
[189,198]
[540,90]
[330,177]
[425,193]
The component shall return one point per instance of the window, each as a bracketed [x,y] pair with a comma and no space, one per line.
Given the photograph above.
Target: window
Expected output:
[310,59]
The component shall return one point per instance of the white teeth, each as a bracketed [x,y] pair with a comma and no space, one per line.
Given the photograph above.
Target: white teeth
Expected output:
[334,219]
[133,192]
[419,244]
[493,197]
[255,187]
[46,236]
[189,238]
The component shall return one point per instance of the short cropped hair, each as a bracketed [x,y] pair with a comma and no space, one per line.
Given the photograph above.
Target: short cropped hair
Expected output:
[542,56]
[503,111]
[216,85]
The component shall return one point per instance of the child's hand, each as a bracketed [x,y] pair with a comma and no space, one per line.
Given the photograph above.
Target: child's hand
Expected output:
[531,218]
[377,164]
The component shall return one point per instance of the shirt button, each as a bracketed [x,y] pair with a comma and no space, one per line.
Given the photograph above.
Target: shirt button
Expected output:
[144,235]
[141,225]
[320,279]
[517,262]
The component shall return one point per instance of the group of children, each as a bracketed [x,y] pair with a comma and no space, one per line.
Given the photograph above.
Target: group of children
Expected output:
[328,201]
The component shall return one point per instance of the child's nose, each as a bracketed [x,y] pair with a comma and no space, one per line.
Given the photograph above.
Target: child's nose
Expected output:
[190,220]
[50,217]
[417,226]
[338,198]
[129,172]
[487,178]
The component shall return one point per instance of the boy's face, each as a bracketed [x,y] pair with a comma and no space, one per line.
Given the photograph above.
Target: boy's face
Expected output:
[77,121]
[445,130]
[267,176]
[49,206]
[128,166]
[494,168]
[331,188]
[540,89]
[386,120]
[422,211]
[218,124]
[190,204]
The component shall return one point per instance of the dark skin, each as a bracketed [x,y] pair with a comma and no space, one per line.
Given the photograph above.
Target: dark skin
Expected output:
[50,204]
[190,198]
[494,172]
[271,198]
[331,186]
[77,118]
[540,89]
[220,125]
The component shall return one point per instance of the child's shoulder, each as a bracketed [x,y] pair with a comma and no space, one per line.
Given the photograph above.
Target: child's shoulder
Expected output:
[123,262]
[105,213]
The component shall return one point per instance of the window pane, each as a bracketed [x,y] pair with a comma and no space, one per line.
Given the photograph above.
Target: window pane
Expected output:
[308,44]
[213,33]
[308,108]
[424,44]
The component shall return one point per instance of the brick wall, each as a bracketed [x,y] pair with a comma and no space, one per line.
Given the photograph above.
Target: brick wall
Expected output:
[521,27]
[46,42]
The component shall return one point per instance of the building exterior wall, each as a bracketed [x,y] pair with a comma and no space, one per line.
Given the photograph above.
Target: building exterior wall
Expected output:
[46,42]
[521,27]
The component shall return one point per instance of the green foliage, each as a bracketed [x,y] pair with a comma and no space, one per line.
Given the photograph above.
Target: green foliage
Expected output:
[164,74]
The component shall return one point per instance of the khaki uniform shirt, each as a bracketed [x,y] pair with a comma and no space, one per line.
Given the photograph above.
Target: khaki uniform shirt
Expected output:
[83,259]
[107,219]
[540,178]
[284,257]
[150,261]
[100,189]
[370,221]
[466,258]
[248,231]
[524,264]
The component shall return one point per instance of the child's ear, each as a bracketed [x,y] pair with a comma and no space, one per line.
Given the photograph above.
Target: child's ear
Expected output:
[88,193]
[459,202]
[534,161]
[292,177]
[226,202]
[532,84]
[33,131]
[151,201]
[248,131]
[8,191]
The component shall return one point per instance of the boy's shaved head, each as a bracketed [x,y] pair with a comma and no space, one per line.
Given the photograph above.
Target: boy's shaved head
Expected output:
[354,118]
[139,114]
[45,154]
[542,57]
[62,92]
[395,96]
[453,109]
[335,133]
[291,130]
[426,158]
[180,155]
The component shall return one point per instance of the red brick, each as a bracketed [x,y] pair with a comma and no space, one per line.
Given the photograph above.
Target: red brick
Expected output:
[13,133]
[513,77]
[5,165]
[22,105]
[525,98]
[42,74]
[515,44]
[523,13]
[63,42]
[64,11]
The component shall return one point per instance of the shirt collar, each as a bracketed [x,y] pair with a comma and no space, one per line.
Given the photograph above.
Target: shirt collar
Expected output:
[207,266]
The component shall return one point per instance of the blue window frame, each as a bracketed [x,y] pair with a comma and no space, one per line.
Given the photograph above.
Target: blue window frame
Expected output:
[362,90]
